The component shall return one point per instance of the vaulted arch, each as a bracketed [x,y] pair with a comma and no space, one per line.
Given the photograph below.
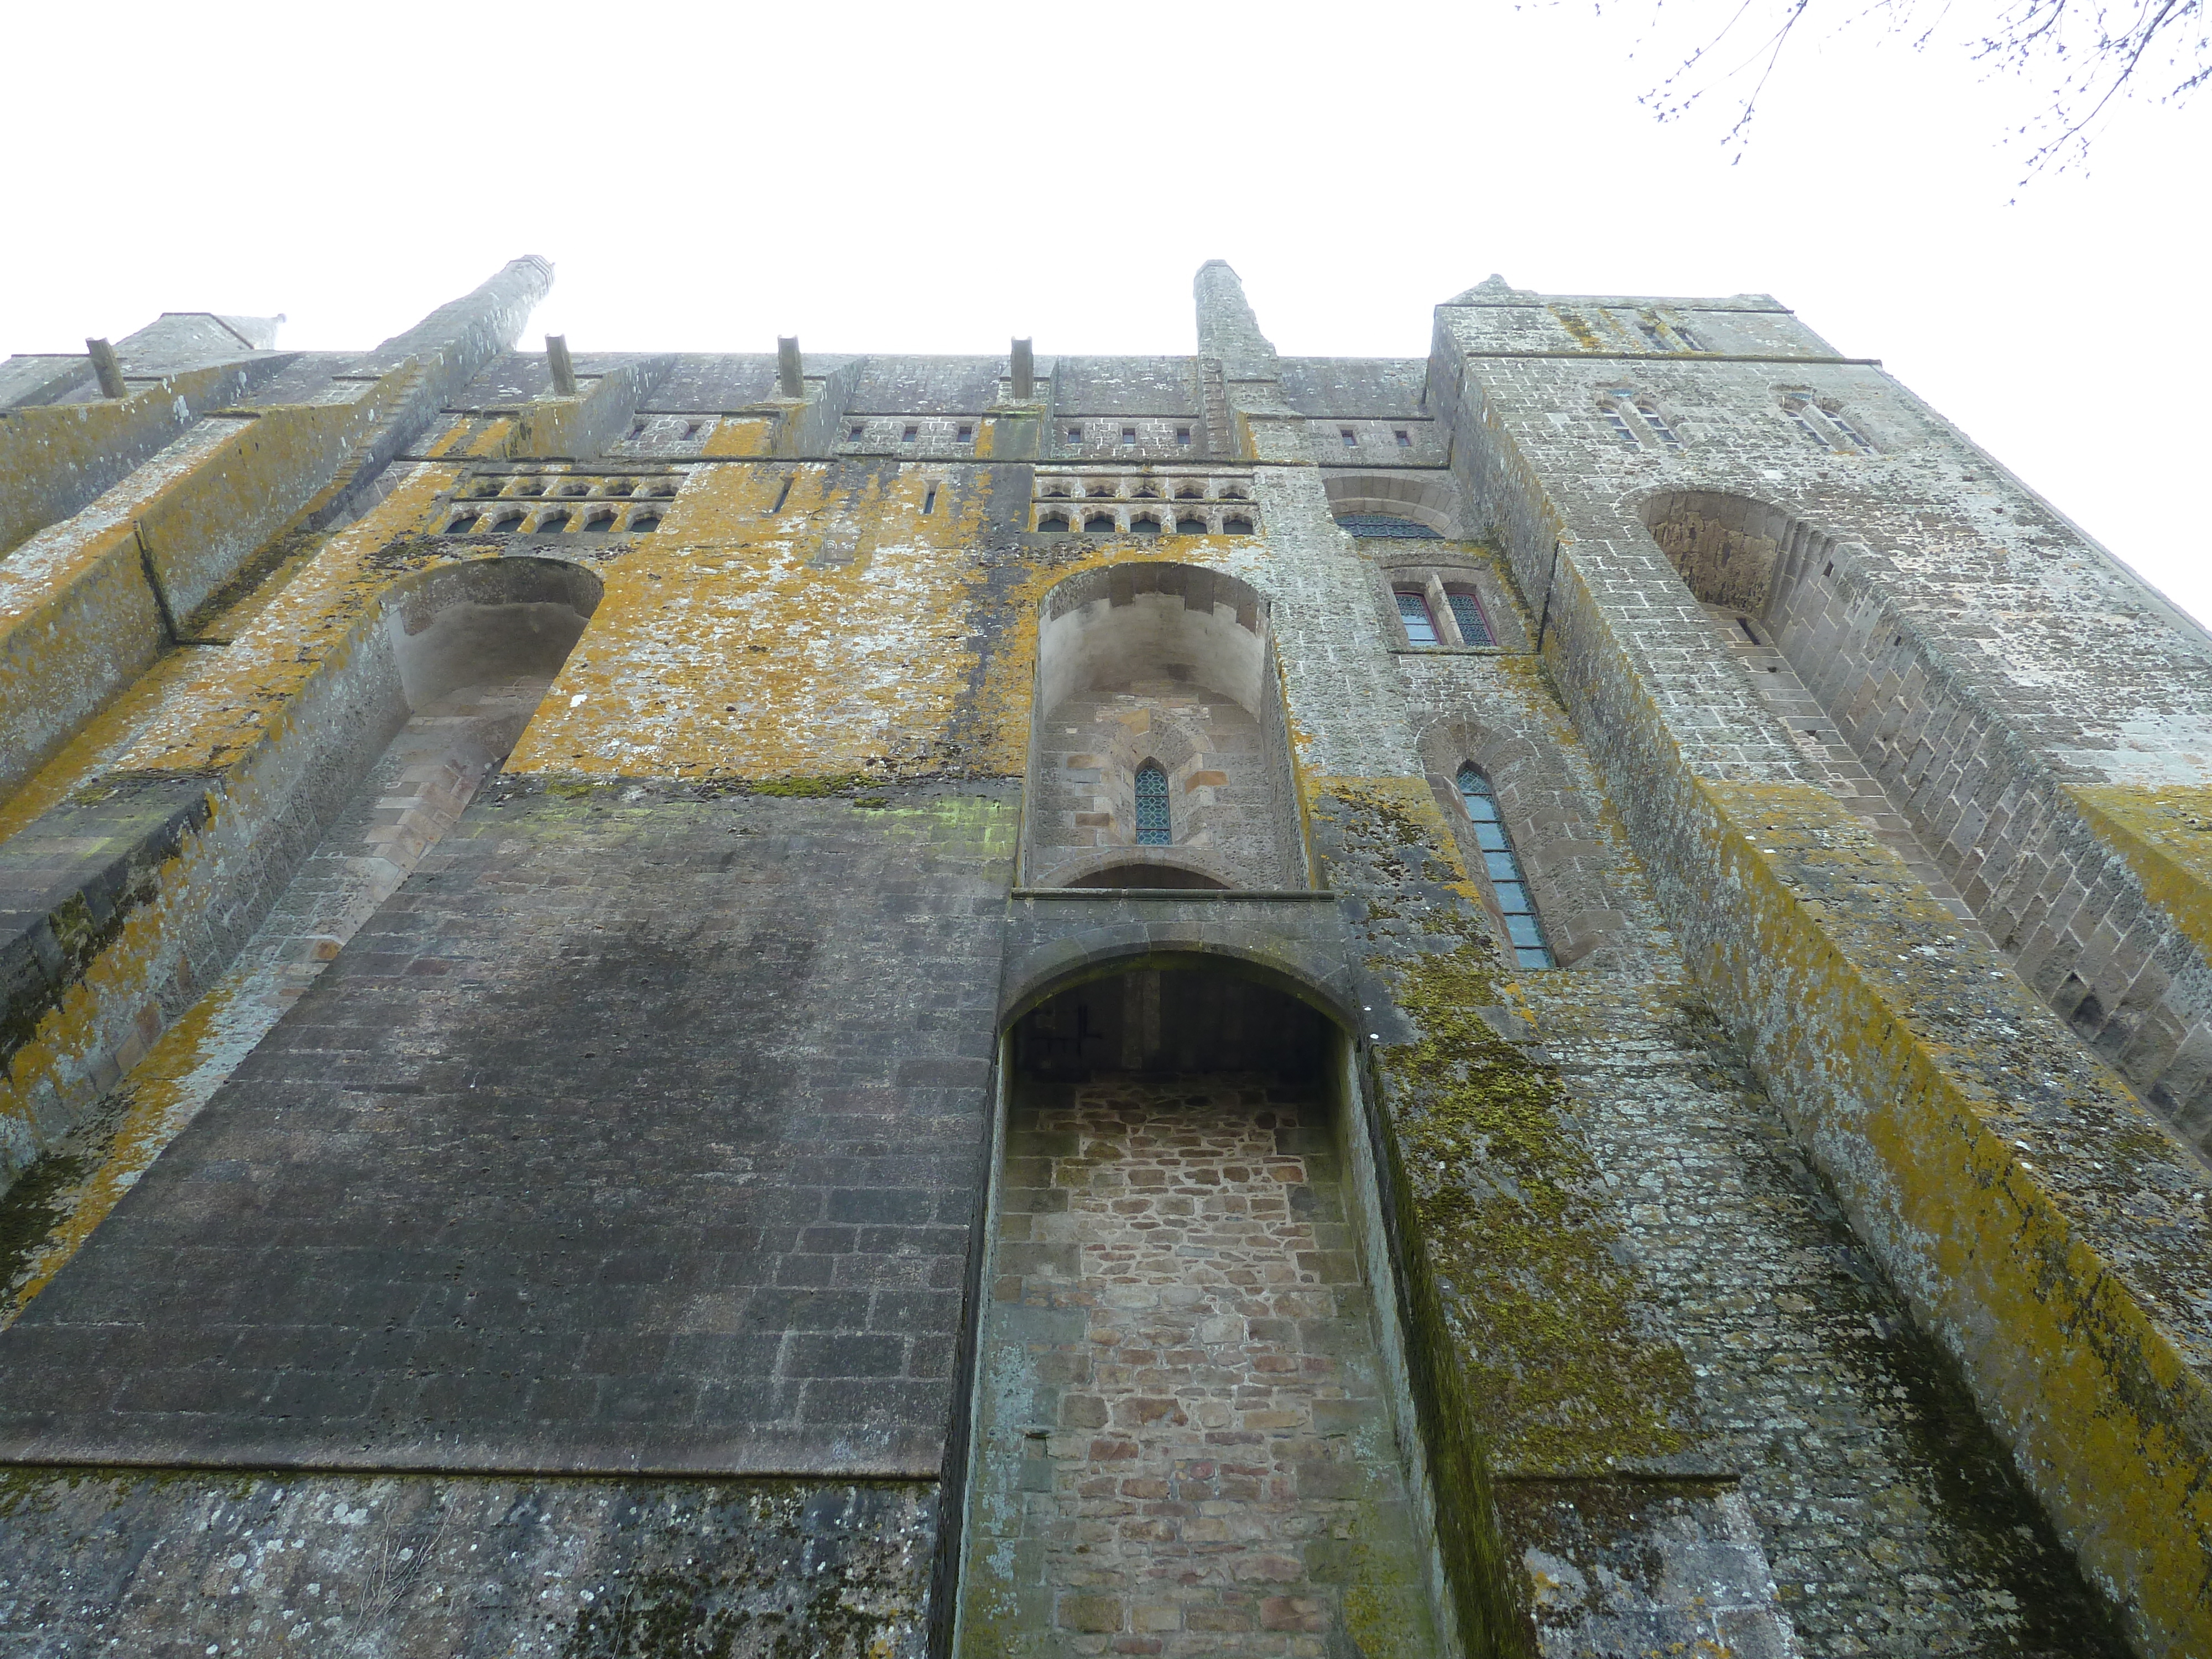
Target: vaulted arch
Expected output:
[1159,730]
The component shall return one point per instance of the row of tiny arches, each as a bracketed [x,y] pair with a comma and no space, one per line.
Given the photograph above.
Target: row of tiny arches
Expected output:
[516,522]
[485,488]
[1144,523]
[1193,489]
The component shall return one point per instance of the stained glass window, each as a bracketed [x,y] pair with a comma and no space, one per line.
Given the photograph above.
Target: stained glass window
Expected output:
[1523,930]
[1466,612]
[1151,805]
[1413,611]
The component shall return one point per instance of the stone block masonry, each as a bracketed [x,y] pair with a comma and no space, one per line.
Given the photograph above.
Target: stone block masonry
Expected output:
[1179,1320]
[572,1160]
[786,1171]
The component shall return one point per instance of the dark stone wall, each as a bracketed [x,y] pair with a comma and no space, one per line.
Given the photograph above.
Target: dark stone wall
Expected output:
[606,1145]
[170,1564]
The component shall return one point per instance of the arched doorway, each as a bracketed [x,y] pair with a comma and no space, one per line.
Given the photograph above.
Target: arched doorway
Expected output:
[1192,1431]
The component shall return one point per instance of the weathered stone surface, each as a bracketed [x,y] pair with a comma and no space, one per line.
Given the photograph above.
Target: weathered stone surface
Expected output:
[1804,1263]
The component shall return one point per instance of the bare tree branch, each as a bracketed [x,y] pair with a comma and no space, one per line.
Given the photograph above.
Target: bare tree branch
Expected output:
[2096,54]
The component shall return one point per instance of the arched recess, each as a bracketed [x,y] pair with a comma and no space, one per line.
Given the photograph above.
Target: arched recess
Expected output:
[1426,497]
[1554,822]
[376,757]
[1914,748]
[1183,1135]
[1171,663]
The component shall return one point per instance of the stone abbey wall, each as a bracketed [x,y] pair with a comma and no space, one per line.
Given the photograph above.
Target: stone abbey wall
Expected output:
[595,1064]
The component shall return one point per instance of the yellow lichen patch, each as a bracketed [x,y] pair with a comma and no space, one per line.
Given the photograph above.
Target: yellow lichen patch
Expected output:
[2165,837]
[159,1103]
[47,450]
[114,993]
[732,645]
[1002,704]
[2085,1353]
[742,436]
[228,702]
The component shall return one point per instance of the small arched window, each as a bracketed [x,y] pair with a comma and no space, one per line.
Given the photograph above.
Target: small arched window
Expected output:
[1413,612]
[1237,526]
[489,487]
[1099,524]
[1190,526]
[646,522]
[1466,612]
[619,486]
[1503,868]
[552,522]
[1152,826]
[1189,492]
[599,523]
[462,526]
[1053,521]
[506,523]
[1145,526]
[530,487]
[575,489]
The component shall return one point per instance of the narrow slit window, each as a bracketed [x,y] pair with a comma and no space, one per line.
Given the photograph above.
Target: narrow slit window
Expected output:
[1523,929]
[1466,612]
[1350,438]
[1182,436]
[1413,611]
[1800,415]
[1075,434]
[1690,341]
[1850,431]
[855,434]
[1658,422]
[637,429]
[909,435]
[929,501]
[1405,438]
[783,494]
[1744,622]
[1652,334]
[965,434]
[1621,429]
[1152,826]
[1129,435]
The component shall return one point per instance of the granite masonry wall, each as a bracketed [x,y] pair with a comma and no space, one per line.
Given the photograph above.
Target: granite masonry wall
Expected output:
[568,1233]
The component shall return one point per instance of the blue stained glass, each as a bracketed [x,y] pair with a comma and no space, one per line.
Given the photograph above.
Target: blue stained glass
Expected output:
[1152,829]
[1473,627]
[1503,869]
[1413,611]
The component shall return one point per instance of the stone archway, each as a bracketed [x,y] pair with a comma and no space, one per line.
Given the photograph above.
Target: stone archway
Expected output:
[1191,1429]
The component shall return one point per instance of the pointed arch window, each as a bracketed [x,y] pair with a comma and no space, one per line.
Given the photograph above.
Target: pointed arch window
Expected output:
[1466,613]
[1413,611]
[1525,932]
[1152,826]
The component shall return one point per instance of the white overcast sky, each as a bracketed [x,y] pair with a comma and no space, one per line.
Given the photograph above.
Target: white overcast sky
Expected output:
[939,177]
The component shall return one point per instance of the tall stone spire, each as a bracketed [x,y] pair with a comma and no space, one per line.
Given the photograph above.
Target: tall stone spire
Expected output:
[1226,327]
